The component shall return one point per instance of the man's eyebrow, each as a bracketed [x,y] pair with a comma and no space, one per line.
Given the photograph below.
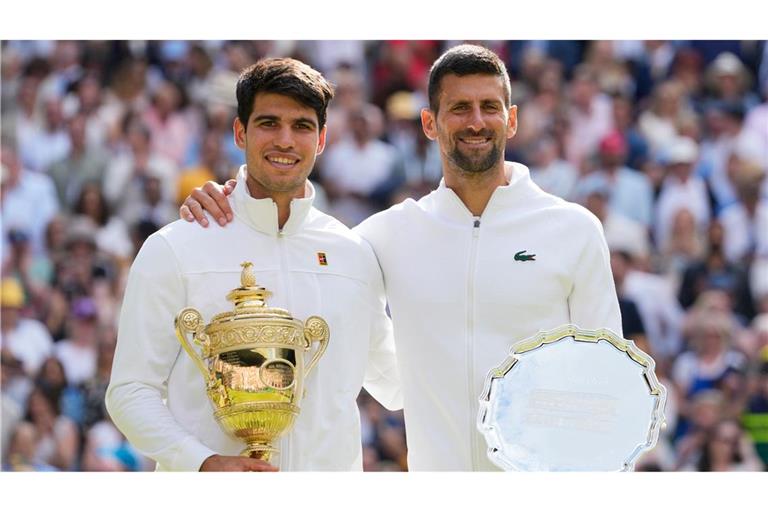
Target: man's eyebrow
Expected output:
[272,117]
[265,117]
[307,120]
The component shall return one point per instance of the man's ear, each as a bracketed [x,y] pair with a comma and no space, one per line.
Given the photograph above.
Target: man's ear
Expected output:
[321,143]
[239,131]
[429,123]
[512,122]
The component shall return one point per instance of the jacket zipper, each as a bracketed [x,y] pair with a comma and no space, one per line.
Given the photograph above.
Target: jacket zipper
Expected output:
[473,448]
[287,458]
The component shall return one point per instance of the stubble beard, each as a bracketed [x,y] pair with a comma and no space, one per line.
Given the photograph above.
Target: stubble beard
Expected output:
[477,164]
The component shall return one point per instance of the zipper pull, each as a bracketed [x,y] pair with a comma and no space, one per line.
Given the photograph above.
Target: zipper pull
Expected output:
[477,222]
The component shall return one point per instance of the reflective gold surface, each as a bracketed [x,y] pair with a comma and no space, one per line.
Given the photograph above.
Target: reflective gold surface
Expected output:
[253,363]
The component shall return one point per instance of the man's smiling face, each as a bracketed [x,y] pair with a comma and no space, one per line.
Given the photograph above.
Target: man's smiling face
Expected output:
[281,144]
[473,122]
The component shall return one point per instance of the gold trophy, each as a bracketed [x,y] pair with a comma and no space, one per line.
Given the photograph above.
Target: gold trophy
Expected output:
[253,363]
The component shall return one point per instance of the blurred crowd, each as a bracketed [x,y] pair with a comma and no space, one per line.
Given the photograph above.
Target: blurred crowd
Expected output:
[666,142]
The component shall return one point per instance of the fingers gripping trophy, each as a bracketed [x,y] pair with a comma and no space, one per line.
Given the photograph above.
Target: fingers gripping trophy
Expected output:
[252,360]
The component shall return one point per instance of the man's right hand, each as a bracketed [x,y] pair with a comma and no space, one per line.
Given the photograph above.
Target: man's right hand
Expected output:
[229,463]
[212,198]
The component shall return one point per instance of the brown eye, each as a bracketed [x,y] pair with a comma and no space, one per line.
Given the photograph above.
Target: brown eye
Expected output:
[277,374]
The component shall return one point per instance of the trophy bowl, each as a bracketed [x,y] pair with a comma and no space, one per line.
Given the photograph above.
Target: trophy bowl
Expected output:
[252,359]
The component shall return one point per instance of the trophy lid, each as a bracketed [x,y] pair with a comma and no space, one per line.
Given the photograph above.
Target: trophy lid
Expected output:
[250,300]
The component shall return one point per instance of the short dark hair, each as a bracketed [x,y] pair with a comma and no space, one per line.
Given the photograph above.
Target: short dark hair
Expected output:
[466,59]
[289,77]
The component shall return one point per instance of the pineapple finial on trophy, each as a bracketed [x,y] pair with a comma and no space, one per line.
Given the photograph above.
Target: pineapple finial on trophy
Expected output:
[249,294]
[247,277]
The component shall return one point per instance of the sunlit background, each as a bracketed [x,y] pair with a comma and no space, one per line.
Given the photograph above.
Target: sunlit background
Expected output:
[666,142]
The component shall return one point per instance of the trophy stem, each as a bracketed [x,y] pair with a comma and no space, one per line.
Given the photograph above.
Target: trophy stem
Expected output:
[259,451]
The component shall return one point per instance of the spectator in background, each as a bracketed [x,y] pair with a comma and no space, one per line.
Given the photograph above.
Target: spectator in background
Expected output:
[419,155]
[22,450]
[360,172]
[681,189]
[170,129]
[728,80]
[350,97]
[726,448]
[200,66]
[687,70]
[212,165]
[28,200]
[745,223]
[538,117]
[100,122]
[126,90]
[218,119]
[66,69]
[656,302]
[19,94]
[74,276]
[110,232]
[126,176]
[631,193]
[624,122]
[725,143]
[47,143]
[589,117]
[32,271]
[549,171]
[698,416]
[152,204]
[26,339]
[58,439]
[620,231]
[658,124]
[52,380]
[78,353]
[711,362]
[683,246]
[82,164]
[715,272]
[611,69]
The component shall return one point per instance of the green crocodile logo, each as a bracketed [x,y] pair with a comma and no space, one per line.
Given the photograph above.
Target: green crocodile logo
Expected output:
[519,256]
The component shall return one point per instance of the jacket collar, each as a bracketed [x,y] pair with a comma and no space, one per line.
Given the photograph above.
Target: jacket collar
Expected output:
[519,187]
[261,214]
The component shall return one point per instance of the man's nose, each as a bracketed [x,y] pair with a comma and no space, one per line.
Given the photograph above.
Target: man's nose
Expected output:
[284,138]
[476,119]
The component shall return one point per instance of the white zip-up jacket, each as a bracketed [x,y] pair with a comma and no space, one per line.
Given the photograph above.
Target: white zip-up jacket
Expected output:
[462,289]
[157,396]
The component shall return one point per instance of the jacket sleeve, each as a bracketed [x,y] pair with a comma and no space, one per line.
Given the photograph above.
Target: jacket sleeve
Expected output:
[593,303]
[144,357]
[382,378]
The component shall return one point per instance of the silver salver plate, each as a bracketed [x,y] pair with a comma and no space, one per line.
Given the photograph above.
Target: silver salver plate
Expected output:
[572,400]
